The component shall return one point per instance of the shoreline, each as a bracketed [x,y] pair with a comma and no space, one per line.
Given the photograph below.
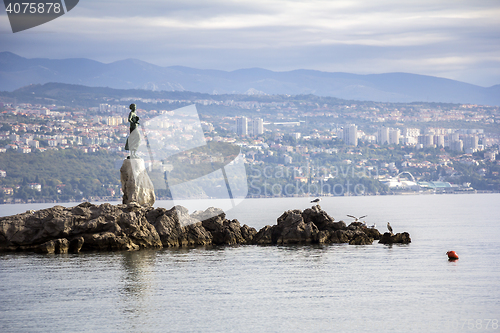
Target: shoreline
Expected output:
[117,199]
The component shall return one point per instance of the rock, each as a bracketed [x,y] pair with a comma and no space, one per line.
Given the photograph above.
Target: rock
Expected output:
[372,232]
[108,241]
[290,229]
[214,224]
[225,232]
[75,245]
[210,227]
[57,246]
[47,247]
[62,245]
[314,225]
[341,236]
[172,233]
[90,227]
[293,229]
[323,236]
[208,215]
[248,233]
[356,226]
[361,239]
[338,225]
[299,233]
[195,234]
[136,184]
[264,236]
[399,238]
[319,217]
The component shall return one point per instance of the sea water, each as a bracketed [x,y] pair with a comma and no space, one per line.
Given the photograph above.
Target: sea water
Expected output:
[337,287]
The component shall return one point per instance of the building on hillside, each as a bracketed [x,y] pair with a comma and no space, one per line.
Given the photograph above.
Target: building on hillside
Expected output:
[257,127]
[383,135]
[471,143]
[394,135]
[413,132]
[457,145]
[426,140]
[490,155]
[242,126]
[350,135]
[439,140]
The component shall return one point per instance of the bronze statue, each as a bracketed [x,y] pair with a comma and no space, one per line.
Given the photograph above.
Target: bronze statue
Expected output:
[133,118]
[134,137]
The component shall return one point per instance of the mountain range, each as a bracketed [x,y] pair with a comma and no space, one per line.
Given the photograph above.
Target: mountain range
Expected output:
[17,71]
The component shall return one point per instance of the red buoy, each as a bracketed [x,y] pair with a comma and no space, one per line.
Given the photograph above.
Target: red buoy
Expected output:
[452,255]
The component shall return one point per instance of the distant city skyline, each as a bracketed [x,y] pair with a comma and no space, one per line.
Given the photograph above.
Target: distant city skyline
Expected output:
[449,39]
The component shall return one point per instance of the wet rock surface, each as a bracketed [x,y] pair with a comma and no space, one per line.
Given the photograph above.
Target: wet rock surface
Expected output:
[106,227]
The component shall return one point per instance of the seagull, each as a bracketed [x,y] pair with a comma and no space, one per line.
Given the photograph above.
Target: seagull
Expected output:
[389,227]
[316,200]
[356,219]
[373,226]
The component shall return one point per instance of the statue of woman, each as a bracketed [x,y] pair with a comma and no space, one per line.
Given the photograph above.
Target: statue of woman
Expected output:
[133,118]
[134,136]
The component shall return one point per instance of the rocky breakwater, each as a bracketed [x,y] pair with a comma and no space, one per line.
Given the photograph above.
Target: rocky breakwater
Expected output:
[107,227]
[313,225]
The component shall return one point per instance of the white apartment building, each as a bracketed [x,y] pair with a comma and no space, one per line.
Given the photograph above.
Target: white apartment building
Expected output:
[257,126]
[242,126]
[394,135]
[350,135]
[383,135]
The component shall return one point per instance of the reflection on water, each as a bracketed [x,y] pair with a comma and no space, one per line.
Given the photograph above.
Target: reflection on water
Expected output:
[137,281]
[291,288]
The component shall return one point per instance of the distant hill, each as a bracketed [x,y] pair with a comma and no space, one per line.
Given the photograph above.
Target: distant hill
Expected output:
[16,72]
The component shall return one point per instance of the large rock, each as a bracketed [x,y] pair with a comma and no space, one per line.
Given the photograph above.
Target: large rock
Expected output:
[313,225]
[173,233]
[372,232]
[129,227]
[225,232]
[321,219]
[399,238]
[361,239]
[84,227]
[294,230]
[136,184]
[265,236]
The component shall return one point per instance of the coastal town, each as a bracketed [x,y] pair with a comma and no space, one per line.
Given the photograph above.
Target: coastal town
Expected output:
[318,146]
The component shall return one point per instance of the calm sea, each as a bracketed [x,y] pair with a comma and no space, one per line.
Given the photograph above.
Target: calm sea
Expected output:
[334,288]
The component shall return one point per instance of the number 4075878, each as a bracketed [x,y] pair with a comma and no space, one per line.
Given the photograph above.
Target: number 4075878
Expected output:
[33,8]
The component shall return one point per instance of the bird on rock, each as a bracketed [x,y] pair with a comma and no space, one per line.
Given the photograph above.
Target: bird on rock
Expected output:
[356,219]
[389,227]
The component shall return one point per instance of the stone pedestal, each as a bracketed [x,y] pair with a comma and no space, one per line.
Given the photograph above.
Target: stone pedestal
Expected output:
[136,185]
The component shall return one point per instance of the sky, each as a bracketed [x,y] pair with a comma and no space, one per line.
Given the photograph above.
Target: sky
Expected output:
[455,39]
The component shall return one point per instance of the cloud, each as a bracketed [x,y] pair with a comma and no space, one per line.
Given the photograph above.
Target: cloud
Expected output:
[447,36]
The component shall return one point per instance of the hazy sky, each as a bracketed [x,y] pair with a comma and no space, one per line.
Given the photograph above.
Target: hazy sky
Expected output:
[456,39]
